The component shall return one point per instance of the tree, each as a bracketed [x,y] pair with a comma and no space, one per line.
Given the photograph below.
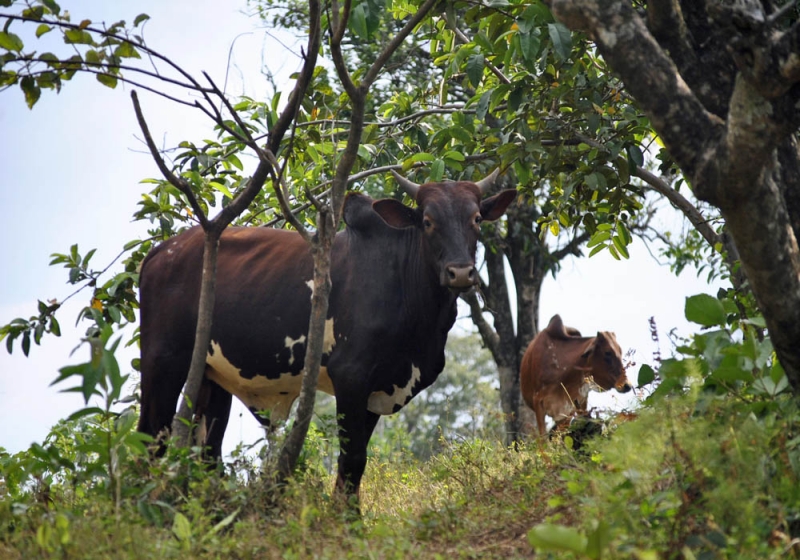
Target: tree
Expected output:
[105,51]
[718,81]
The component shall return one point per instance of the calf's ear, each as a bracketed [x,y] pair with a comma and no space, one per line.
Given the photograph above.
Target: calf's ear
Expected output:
[495,206]
[395,213]
[589,349]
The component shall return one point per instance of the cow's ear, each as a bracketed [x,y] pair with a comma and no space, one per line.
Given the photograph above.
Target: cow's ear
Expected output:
[495,206]
[395,213]
[589,349]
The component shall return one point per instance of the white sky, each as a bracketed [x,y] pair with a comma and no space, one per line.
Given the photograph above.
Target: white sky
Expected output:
[70,172]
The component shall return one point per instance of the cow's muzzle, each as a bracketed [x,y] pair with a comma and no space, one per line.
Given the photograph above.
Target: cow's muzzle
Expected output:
[460,278]
[624,386]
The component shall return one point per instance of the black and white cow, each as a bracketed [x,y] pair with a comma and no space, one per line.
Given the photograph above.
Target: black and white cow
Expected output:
[396,273]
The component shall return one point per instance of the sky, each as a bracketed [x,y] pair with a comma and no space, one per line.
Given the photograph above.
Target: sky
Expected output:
[70,172]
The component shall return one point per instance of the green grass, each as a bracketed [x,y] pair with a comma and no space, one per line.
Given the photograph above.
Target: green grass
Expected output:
[691,478]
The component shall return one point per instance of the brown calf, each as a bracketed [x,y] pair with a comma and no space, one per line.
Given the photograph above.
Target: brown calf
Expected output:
[560,367]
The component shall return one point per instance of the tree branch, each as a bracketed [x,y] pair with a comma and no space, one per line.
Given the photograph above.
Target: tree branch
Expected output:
[649,75]
[397,40]
[463,39]
[571,248]
[489,336]
[173,179]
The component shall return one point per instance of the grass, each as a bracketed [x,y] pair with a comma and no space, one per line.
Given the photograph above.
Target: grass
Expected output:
[694,477]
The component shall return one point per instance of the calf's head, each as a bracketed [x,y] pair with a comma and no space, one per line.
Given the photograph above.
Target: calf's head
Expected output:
[449,215]
[605,363]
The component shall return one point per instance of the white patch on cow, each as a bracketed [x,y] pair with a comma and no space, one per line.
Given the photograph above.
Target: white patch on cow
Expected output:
[328,339]
[310,285]
[289,342]
[383,403]
[260,393]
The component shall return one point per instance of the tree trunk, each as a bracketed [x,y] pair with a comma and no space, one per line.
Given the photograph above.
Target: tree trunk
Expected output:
[736,154]
[321,251]
[506,353]
[182,422]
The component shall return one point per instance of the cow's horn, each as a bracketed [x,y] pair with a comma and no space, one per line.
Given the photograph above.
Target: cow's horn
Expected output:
[409,186]
[487,182]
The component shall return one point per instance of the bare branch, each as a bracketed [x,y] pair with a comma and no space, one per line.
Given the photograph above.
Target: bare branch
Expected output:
[488,334]
[248,138]
[336,50]
[698,221]
[289,113]
[174,180]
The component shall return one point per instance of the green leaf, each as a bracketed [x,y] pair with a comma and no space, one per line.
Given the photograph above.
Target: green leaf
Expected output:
[635,155]
[599,237]
[623,232]
[31,91]
[550,537]
[139,19]
[482,107]
[529,45]
[422,156]
[646,375]
[460,134]
[8,78]
[597,249]
[561,38]
[452,154]
[673,369]
[224,523]
[42,29]
[10,41]
[181,528]
[221,188]
[729,370]
[78,36]
[475,65]
[358,22]
[26,342]
[85,412]
[107,80]
[619,245]
[126,50]
[705,310]
[598,541]
[52,6]
[437,170]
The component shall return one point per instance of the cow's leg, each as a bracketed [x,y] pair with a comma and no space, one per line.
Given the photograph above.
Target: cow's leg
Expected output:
[356,425]
[215,410]
[163,376]
[538,411]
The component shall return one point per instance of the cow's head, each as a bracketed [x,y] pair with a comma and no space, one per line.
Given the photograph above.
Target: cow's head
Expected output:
[605,363]
[449,215]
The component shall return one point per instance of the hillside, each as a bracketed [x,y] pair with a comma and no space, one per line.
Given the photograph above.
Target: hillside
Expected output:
[695,476]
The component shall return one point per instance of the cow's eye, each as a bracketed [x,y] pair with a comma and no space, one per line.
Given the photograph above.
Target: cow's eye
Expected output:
[478,219]
[427,224]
